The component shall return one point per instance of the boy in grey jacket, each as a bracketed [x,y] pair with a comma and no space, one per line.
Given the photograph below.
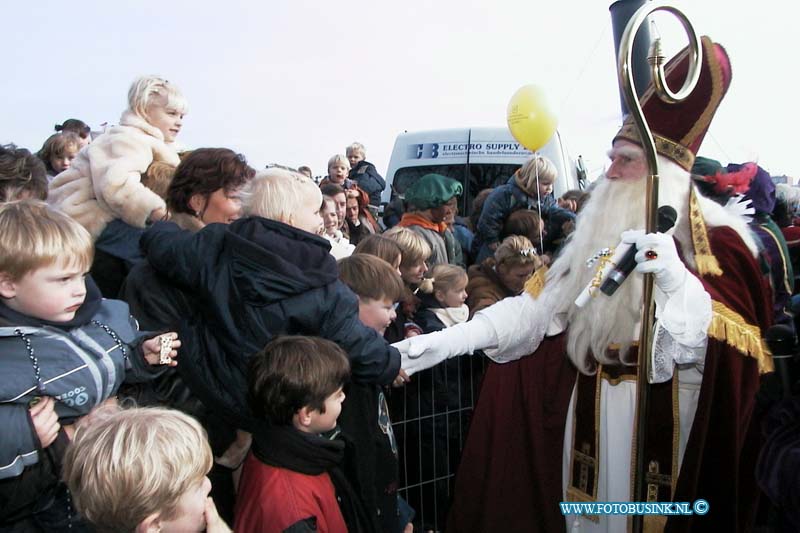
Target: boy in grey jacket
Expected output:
[65,351]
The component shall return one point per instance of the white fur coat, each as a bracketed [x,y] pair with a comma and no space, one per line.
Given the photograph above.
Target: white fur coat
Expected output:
[104,181]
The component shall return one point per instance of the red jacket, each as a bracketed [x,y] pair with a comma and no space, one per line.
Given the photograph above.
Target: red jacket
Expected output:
[272,499]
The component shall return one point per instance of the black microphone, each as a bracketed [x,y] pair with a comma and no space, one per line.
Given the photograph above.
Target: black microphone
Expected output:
[666,219]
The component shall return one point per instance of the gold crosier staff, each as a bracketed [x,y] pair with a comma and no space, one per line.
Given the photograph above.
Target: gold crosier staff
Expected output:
[662,90]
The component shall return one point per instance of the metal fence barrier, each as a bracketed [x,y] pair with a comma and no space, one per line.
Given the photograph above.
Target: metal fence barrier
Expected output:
[430,418]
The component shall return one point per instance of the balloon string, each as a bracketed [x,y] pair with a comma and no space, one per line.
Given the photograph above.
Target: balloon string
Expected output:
[538,198]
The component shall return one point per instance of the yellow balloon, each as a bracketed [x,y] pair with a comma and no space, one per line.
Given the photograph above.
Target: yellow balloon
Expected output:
[529,118]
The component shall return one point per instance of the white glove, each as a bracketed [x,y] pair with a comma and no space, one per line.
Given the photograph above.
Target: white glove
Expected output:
[657,255]
[425,351]
[740,206]
[683,307]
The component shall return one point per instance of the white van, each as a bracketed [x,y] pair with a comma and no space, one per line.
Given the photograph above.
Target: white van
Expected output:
[477,157]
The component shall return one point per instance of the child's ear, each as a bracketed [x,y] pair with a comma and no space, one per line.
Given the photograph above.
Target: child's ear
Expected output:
[438,294]
[8,289]
[304,416]
[150,524]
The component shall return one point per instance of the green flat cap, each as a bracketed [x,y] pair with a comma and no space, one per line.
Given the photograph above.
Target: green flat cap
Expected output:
[705,166]
[432,190]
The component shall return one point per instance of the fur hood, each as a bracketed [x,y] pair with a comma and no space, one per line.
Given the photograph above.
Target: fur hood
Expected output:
[104,181]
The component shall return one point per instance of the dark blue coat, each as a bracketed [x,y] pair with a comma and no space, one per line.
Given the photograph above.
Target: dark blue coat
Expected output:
[367,177]
[253,280]
[503,201]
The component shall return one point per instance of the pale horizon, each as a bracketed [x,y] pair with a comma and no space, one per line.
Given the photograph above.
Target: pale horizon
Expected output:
[295,83]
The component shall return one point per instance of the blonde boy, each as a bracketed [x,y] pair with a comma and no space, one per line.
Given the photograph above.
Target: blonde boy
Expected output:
[364,173]
[531,187]
[338,170]
[142,470]
[286,196]
[65,351]
[355,154]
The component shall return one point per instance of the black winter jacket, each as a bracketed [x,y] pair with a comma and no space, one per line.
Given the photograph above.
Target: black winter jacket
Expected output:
[253,280]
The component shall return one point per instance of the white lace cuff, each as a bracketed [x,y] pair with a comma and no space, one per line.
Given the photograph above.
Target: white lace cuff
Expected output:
[681,331]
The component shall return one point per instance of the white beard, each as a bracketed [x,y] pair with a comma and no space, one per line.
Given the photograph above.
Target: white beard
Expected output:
[614,207]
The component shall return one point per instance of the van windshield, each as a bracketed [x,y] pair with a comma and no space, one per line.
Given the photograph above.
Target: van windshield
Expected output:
[481,176]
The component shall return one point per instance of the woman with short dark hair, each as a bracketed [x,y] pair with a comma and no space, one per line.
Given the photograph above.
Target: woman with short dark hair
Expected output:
[206,185]
[204,190]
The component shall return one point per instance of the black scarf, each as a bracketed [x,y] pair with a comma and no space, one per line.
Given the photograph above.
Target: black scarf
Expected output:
[306,453]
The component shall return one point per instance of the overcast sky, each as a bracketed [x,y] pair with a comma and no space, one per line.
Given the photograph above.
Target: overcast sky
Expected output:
[295,82]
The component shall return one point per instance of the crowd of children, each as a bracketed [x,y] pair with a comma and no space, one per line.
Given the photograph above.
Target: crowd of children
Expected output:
[284,388]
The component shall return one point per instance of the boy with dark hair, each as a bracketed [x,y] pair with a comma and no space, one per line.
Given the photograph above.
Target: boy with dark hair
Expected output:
[292,480]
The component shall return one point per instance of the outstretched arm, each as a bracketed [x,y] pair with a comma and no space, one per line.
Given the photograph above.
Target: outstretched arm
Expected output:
[506,331]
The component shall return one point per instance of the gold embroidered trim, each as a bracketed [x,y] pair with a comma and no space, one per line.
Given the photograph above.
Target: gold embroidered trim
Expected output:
[574,494]
[535,284]
[729,326]
[707,264]
[658,523]
[672,150]
[666,147]
[654,523]
[676,429]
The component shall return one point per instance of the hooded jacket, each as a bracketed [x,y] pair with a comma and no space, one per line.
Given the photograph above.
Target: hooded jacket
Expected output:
[506,199]
[253,280]
[160,305]
[79,363]
[367,177]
